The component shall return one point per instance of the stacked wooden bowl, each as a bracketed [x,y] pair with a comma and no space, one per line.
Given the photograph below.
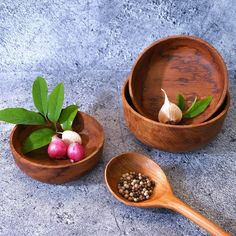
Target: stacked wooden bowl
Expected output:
[180,65]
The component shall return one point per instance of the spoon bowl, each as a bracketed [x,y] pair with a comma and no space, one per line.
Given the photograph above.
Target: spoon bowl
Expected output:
[136,162]
[162,196]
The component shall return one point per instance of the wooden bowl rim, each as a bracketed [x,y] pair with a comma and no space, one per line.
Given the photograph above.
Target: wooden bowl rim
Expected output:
[222,113]
[189,37]
[58,166]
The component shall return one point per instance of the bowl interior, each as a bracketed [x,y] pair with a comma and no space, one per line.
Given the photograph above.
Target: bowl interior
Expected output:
[224,106]
[92,140]
[180,65]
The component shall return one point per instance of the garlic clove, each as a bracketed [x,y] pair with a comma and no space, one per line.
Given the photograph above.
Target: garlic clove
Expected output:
[169,113]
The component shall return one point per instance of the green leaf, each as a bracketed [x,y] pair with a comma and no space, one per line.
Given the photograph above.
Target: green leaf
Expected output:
[37,139]
[198,107]
[21,116]
[67,117]
[181,102]
[191,107]
[40,95]
[55,103]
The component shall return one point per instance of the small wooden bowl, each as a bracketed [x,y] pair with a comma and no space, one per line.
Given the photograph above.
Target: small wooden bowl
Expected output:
[179,64]
[38,165]
[172,138]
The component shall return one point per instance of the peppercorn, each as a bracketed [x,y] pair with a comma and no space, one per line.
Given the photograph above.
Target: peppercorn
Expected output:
[135,187]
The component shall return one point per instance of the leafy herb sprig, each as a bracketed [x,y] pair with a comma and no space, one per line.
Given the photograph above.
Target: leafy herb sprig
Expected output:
[49,115]
[197,107]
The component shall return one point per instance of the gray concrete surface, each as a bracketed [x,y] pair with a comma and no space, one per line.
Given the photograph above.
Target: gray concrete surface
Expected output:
[91,45]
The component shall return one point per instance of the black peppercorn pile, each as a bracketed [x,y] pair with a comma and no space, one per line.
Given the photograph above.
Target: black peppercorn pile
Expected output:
[135,187]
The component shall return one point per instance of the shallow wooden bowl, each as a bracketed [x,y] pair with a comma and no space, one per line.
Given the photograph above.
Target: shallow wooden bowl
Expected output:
[38,165]
[180,65]
[172,138]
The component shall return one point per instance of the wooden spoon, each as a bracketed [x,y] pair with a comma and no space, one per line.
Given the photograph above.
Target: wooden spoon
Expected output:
[162,197]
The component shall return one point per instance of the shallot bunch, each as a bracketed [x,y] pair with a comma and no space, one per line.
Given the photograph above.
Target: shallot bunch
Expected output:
[69,145]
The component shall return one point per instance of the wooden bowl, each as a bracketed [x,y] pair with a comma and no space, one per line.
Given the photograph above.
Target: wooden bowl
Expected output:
[180,64]
[172,138]
[38,165]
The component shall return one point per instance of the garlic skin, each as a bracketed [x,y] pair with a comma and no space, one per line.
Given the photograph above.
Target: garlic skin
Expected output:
[70,137]
[169,113]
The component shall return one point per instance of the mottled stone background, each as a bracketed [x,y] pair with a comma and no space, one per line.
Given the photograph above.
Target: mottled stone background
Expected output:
[91,46]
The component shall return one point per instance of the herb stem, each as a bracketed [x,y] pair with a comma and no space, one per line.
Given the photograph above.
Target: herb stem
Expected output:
[55,126]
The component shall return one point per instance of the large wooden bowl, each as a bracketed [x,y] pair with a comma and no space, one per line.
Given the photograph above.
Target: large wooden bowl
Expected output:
[38,165]
[172,138]
[180,65]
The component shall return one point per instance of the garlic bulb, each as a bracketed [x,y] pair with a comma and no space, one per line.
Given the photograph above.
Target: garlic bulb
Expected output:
[70,137]
[169,113]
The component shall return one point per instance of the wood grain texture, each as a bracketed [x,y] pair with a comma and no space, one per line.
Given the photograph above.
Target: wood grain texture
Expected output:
[180,65]
[38,165]
[172,138]
[162,197]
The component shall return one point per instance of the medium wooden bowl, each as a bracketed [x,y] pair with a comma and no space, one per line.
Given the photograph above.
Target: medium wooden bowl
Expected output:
[38,165]
[172,138]
[180,65]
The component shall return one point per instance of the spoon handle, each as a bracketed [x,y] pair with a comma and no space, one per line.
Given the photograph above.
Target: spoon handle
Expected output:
[177,205]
